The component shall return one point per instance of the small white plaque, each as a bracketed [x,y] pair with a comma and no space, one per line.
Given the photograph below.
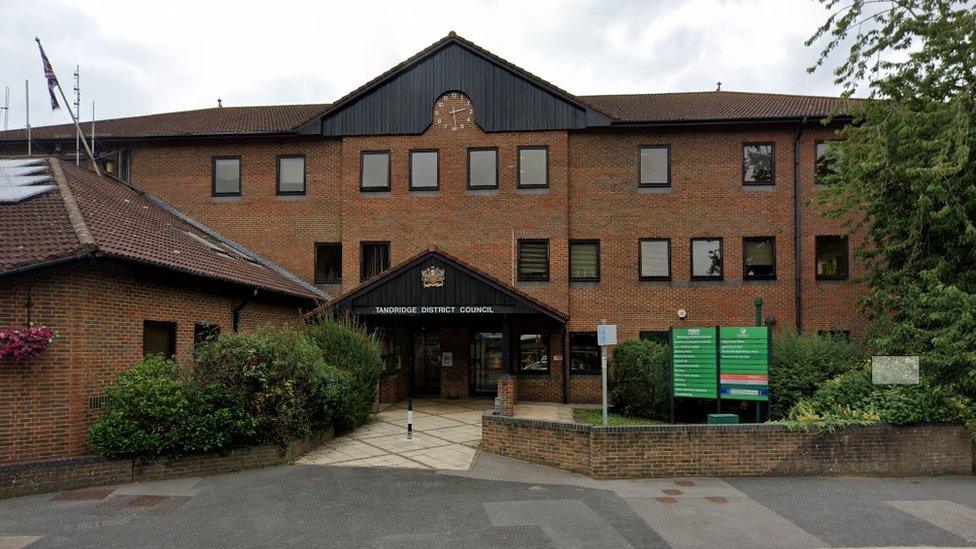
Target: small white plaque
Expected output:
[447,359]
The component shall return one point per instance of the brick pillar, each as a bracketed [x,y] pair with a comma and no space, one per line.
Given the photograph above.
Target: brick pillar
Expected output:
[507,391]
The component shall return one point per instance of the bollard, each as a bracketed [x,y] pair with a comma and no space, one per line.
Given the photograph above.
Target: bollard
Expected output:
[409,419]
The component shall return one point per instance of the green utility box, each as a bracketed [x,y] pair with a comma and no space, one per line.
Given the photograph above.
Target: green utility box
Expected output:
[723,419]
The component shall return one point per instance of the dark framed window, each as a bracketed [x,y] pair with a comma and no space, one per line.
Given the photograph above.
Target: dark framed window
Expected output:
[204,331]
[226,176]
[759,258]
[328,263]
[533,167]
[758,164]
[658,336]
[374,171]
[844,335]
[654,258]
[655,166]
[706,259]
[584,353]
[158,338]
[533,354]
[483,168]
[826,157]
[291,174]
[424,170]
[832,262]
[374,258]
[533,259]
[584,260]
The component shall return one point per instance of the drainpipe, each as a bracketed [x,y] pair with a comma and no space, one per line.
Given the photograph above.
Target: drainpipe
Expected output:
[236,311]
[797,247]
[565,363]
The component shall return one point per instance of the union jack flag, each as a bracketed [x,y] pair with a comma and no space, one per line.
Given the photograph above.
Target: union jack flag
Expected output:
[52,79]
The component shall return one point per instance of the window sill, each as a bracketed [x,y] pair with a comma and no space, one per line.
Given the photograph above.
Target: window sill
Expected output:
[226,198]
[487,191]
[290,197]
[533,374]
[385,193]
[758,280]
[584,283]
[663,189]
[424,192]
[832,280]
[529,191]
[758,186]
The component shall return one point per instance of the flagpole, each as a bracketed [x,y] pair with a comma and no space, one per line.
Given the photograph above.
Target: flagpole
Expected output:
[67,105]
[27,110]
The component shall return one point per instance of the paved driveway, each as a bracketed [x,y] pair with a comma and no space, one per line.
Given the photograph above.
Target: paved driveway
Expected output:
[446,434]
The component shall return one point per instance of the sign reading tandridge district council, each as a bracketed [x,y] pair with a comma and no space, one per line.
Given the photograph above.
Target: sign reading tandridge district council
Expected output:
[694,362]
[744,356]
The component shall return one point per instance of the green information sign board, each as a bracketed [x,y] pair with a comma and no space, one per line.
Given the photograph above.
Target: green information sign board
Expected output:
[693,362]
[744,359]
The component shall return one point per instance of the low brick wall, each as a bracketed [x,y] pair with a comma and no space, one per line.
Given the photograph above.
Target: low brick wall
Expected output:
[731,450]
[21,479]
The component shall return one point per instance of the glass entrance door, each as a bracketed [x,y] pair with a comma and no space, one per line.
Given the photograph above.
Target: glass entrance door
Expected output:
[426,375]
[486,363]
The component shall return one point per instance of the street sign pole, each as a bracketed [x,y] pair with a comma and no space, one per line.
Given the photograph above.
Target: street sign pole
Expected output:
[606,335]
[603,370]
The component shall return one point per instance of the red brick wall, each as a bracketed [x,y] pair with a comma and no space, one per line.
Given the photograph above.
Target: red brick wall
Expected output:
[97,310]
[731,450]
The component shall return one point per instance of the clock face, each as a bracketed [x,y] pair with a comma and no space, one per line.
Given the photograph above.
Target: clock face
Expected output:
[453,112]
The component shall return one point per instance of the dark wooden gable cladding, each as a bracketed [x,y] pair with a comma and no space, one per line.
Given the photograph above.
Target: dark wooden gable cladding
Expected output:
[464,291]
[403,101]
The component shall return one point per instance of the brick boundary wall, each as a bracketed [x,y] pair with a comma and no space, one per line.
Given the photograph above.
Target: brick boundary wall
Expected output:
[37,477]
[732,450]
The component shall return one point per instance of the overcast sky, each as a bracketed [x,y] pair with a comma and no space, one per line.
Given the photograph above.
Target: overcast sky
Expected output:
[140,57]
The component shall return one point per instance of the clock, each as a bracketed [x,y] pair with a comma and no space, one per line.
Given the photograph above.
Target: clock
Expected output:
[453,112]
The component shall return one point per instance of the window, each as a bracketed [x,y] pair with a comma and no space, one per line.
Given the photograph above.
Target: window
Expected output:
[291,175]
[533,167]
[533,259]
[374,171]
[482,168]
[657,336]
[706,259]
[584,260]
[831,257]
[375,258]
[758,164]
[424,170]
[158,338]
[533,354]
[655,166]
[843,335]
[654,259]
[204,331]
[584,353]
[227,176]
[825,162]
[328,263]
[759,258]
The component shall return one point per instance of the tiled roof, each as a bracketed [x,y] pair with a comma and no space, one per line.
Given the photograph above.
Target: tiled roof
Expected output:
[91,214]
[203,122]
[714,106]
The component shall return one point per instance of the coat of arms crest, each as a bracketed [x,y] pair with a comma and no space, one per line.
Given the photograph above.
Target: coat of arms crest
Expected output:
[433,277]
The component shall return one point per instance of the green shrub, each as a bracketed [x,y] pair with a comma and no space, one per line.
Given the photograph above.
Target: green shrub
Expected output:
[802,363]
[638,383]
[346,345]
[853,398]
[276,372]
[153,410]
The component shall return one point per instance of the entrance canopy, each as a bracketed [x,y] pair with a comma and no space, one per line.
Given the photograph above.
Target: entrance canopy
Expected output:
[434,283]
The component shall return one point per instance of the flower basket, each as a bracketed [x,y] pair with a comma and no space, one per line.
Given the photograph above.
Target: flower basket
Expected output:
[24,343]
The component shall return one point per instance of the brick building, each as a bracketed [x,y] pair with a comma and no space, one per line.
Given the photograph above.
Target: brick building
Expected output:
[117,275]
[563,209]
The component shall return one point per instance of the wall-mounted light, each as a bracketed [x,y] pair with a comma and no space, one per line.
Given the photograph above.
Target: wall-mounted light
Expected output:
[682,314]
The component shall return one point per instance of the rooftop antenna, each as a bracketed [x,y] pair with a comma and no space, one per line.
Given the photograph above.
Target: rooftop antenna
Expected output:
[6,106]
[719,88]
[78,110]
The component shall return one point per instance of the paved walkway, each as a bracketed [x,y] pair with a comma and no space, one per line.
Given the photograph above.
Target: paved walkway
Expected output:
[446,435]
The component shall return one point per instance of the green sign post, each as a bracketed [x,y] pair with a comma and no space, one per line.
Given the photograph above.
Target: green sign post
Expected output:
[694,359]
[744,363]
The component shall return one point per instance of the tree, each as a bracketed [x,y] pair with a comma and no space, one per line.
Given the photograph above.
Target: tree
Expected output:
[905,173]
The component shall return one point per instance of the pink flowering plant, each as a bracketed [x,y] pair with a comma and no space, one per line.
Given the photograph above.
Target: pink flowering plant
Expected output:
[25,343]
